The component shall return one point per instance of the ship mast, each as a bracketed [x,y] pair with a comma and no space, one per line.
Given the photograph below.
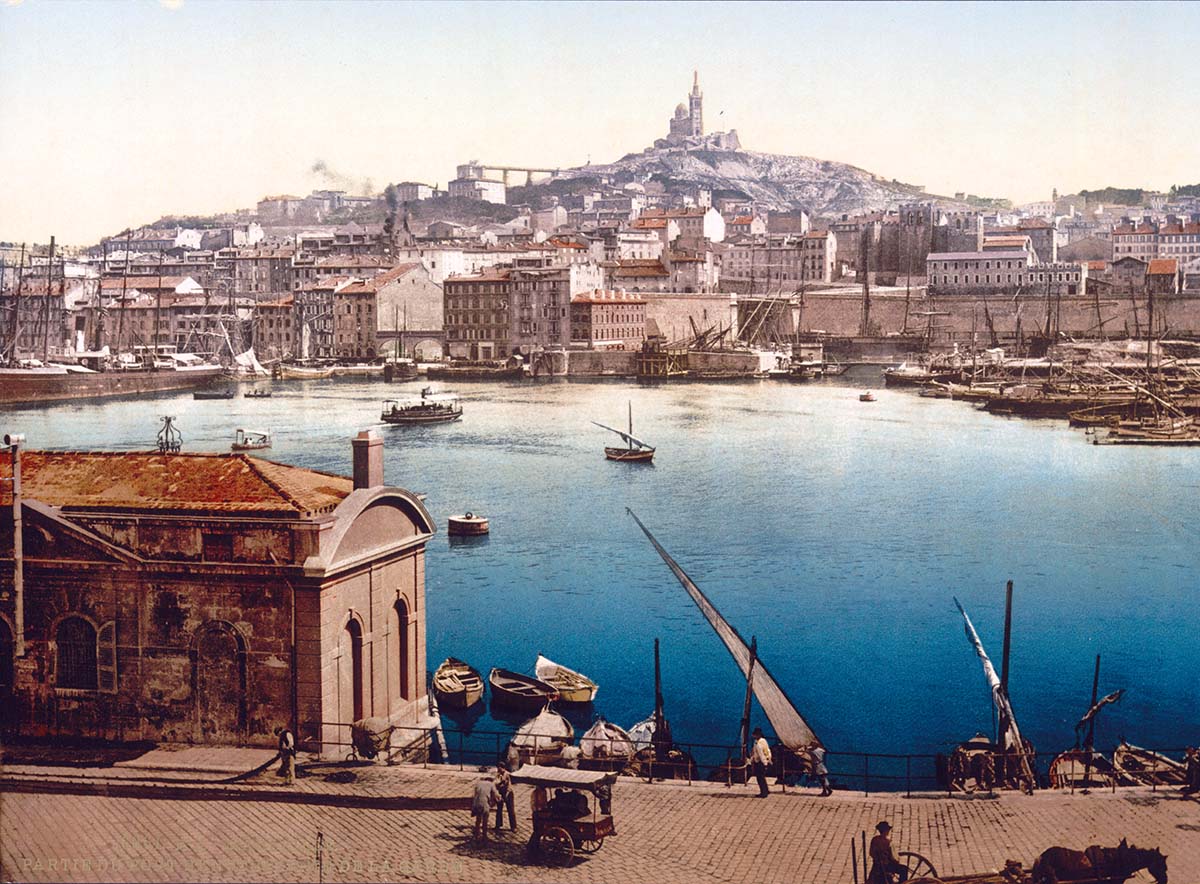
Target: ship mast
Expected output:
[15,326]
[46,304]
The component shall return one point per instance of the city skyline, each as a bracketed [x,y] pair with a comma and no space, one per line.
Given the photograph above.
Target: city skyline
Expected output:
[998,100]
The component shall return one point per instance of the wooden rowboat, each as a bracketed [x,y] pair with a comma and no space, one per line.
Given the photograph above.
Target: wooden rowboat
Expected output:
[1148,768]
[520,691]
[458,685]
[572,686]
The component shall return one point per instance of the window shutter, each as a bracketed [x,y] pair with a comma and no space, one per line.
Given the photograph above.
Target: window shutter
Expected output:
[106,657]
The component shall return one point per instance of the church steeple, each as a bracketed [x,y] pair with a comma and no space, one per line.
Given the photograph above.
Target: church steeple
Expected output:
[696,106]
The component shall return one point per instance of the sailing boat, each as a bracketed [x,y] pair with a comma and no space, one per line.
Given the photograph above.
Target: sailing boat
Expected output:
[789,725]
[1083,766]
[655,751]
[1007,762]
[638,451]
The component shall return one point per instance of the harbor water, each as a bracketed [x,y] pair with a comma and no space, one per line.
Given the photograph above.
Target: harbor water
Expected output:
[837,532]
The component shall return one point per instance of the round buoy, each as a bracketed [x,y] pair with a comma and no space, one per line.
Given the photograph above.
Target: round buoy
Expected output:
[468,525]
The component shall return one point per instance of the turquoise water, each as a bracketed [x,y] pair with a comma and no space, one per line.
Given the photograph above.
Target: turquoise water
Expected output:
[835,531]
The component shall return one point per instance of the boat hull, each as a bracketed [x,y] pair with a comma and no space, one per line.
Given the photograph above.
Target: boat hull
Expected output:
[18,387]
[445,373]
[630,455]
[462,691]
[410,419]
[520,691]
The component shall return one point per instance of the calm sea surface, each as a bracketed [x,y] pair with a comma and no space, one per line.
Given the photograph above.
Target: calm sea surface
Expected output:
[835,531]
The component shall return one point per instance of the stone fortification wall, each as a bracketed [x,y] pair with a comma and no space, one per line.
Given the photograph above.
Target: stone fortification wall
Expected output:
[671,312]
[840,314]
[598,363]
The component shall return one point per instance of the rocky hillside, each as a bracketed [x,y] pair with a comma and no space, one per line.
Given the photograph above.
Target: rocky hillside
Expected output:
[821,187]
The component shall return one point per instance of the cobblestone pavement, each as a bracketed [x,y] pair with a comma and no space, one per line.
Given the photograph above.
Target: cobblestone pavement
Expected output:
[666,832]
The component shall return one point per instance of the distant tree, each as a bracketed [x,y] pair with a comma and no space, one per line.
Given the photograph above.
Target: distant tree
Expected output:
[1119,196]
[1178,190]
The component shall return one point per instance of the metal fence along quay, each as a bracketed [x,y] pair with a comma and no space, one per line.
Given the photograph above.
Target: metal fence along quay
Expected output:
[857,772]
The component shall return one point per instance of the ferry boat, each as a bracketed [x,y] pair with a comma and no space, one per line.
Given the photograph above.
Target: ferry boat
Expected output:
[429,409]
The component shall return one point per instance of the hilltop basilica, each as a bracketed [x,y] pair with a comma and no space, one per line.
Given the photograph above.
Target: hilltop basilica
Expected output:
[686,128]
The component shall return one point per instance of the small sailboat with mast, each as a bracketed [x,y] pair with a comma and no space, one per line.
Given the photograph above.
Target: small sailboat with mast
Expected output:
[636,451]
[980,763]
[791,729]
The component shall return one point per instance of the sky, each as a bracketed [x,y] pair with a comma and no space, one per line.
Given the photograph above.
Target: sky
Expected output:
[115,113]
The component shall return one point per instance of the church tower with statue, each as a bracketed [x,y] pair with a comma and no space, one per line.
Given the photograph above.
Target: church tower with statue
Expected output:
[686,128]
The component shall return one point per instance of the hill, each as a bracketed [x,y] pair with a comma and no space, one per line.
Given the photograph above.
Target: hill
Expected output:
[782,183]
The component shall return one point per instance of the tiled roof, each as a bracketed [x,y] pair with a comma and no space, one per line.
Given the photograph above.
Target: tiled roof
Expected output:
[111,283]
[287,301]
[1034,224]
[1188,227]
[1163,267]
[1126,229]
[184,483]
[977,256]
[633,268]
[1095,265]
[648,223]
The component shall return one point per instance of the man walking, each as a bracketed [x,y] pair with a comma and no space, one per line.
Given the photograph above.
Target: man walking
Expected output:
[820,771]
[287,755]
[760,760]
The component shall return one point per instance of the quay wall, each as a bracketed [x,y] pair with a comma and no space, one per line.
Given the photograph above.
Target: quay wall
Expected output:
[623,363]
[840,314]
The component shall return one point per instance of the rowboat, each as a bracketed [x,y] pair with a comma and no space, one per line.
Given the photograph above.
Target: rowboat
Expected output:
[251,440]
[1147,767]
[541,740]
[457,684]
[513,689]
[606,746]
[572,686]
[1083,769]
[866,396]
[637,450]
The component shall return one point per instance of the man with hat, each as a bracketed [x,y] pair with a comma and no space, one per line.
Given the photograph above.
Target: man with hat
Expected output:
[760,760]
[884,862]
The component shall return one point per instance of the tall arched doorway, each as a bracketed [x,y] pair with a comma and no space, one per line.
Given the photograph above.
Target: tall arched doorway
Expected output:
[350,681]
[219,674]
[403,651]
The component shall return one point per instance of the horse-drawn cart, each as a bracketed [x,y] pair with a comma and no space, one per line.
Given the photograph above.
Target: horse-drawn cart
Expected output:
[577,817]
[1057,865]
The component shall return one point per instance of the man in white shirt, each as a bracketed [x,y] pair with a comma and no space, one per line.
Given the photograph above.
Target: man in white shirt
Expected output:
[760,760]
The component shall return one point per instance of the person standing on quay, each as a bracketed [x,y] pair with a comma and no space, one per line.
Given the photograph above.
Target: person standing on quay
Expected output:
[483,800]
[504,787]
[760,760]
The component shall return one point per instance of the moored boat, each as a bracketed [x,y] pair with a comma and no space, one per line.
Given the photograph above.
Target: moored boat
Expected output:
[431,408]
[520,691]
[1147,767]
[303,372]
[1083,769]
[457,685]
[257,394]
[866,396]
[477,371]
[541,740]
[572,686]
[605,746]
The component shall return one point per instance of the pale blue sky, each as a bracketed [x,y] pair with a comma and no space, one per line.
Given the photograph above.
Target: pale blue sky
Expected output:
[114,113]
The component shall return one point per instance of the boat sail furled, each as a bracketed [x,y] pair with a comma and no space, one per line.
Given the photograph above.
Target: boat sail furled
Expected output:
[789,725]
[1011,735]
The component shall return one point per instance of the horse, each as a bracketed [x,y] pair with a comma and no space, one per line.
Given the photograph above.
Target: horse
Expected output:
[1061,865]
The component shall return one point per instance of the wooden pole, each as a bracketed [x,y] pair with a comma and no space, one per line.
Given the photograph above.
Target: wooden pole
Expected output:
[46,304]
[1003,724]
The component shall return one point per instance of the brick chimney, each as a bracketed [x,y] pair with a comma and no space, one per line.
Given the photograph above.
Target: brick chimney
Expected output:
[368,459]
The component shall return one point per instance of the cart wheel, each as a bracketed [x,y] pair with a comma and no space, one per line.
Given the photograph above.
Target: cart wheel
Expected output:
[557,846]
[918,867]
[591,845]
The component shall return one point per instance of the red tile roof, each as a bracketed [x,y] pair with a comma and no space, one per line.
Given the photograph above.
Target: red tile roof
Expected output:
[185,483]
[1095,265]
[645,223]
[115,283]
[1188,227]
[1162,267]
[1126,229]
[1035,224]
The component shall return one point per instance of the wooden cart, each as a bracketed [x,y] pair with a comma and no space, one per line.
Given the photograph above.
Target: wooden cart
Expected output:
[561,824]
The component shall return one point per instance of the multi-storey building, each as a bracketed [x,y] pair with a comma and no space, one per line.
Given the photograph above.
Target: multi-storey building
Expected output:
[781,263]
[275,328]
[314,317]
[1135,239]
[607,320]
[355,314]
[478,314]
[1002,273]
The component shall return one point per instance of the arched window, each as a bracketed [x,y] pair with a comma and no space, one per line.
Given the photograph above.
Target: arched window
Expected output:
[403,650]
[76,640]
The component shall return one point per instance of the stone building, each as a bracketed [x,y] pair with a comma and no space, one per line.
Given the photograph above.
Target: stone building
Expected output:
[1128,275]
[606,320]
[211,598]
[478,318]
[781,263]
[354,321]
[275,329]
[409,307]
[1162,276]
[1002,273]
